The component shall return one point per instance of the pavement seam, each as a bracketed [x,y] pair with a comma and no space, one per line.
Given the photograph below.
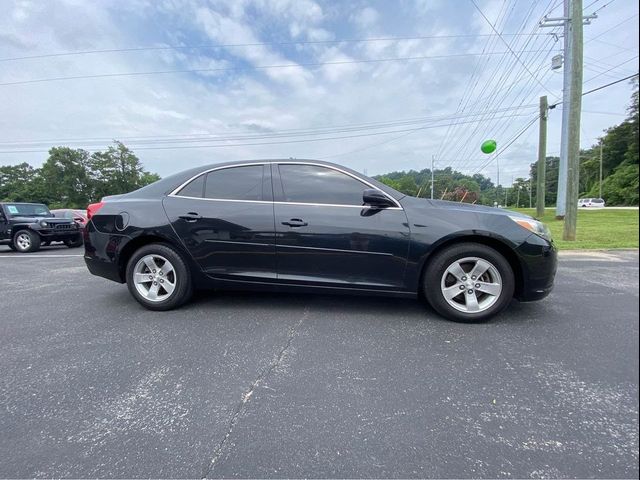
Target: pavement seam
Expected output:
[241,407]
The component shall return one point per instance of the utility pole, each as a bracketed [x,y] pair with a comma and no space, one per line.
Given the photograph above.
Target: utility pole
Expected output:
[600,180]
[561,206]
[498,183]
[542,158]
[570,53]
[433,158]
[530,194]
[518,196]
[573,131]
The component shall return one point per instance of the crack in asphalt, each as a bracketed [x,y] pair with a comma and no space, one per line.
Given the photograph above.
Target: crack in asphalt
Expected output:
[241,407]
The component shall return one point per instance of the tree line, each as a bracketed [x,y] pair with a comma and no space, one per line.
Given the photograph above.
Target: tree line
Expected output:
[73,178]
[620,173]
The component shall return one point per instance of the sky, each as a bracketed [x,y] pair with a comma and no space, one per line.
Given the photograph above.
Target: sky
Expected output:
[377,86]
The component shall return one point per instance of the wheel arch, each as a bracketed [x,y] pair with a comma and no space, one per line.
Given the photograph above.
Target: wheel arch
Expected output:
[17,229]
[145,239]
[499,245]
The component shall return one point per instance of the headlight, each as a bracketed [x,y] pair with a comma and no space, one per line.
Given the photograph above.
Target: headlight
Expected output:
[44,224]
[534,226]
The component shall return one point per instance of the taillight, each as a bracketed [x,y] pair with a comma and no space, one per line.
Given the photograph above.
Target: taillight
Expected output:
[93,208]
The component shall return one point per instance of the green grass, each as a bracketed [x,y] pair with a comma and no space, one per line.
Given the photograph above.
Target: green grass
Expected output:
[597,229]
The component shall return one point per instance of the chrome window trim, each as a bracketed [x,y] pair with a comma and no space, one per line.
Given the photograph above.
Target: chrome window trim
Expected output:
[283,203]
[174,192]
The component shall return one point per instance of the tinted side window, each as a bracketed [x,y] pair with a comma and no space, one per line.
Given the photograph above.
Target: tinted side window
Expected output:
[194,188]
[235,183]
[313,184]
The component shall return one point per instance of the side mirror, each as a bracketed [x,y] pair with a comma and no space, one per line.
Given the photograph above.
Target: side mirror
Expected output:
[376,198]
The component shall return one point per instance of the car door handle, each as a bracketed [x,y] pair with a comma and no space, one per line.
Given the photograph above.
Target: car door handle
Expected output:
[296,222]
[190,217]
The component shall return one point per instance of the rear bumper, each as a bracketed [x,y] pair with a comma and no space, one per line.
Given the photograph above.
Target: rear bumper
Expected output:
[539,259]
[101,253]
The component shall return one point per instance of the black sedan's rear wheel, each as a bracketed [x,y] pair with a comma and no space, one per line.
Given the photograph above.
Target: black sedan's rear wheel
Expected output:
[469,282]
[158,277]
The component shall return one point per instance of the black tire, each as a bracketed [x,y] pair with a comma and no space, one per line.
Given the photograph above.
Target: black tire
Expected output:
[438,265]
[12,247]
[183,283]
[75,243]
[26,241]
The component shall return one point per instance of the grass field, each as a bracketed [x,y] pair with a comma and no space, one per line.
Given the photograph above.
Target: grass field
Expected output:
[597,228]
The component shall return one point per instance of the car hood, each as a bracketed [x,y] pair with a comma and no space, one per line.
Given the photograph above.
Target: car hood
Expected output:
[461,207]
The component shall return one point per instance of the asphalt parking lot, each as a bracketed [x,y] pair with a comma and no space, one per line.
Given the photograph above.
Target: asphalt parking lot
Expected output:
[275,385]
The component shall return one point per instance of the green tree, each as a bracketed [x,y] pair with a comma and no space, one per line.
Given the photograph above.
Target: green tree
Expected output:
[63,179]
[16,182]
[118,170]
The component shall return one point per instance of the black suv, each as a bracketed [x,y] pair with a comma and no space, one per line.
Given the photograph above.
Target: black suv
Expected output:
[26,226]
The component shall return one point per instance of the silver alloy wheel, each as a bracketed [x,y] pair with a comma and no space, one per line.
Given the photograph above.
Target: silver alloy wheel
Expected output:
[23,241]
[154,278]
[471,285]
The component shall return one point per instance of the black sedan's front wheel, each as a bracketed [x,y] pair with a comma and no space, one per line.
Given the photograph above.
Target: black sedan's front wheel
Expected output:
[469,282]
[158,277]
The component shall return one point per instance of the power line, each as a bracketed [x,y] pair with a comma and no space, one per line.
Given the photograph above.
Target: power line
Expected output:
[609,84]
[612,28]
[591,4]
[612,68]
[459,156]
[470,86]
[255,44]
[603,6]
[497,68]
[598,88]
[509,47]
[180,147]
[325,130]
[253,67]
[526,127]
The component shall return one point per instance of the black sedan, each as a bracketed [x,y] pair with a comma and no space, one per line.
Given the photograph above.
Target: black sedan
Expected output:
[301,225]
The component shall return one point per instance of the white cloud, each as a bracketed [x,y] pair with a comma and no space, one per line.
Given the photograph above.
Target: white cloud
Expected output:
[249,100]
[365,18]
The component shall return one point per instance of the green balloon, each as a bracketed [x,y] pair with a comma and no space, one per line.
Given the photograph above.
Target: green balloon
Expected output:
[489,146]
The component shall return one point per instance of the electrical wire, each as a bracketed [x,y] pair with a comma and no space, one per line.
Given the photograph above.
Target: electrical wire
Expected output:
[255,44]
[509,47]
[180,147]
[190,138]
[252,67]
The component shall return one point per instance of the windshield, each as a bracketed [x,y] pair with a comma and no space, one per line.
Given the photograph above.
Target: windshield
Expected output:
[27,210]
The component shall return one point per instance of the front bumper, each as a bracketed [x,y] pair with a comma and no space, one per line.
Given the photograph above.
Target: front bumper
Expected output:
[52,235]
[539,260]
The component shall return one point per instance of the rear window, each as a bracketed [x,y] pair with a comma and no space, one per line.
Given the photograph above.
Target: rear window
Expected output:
[235,183]
[598,200]
[194,188]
